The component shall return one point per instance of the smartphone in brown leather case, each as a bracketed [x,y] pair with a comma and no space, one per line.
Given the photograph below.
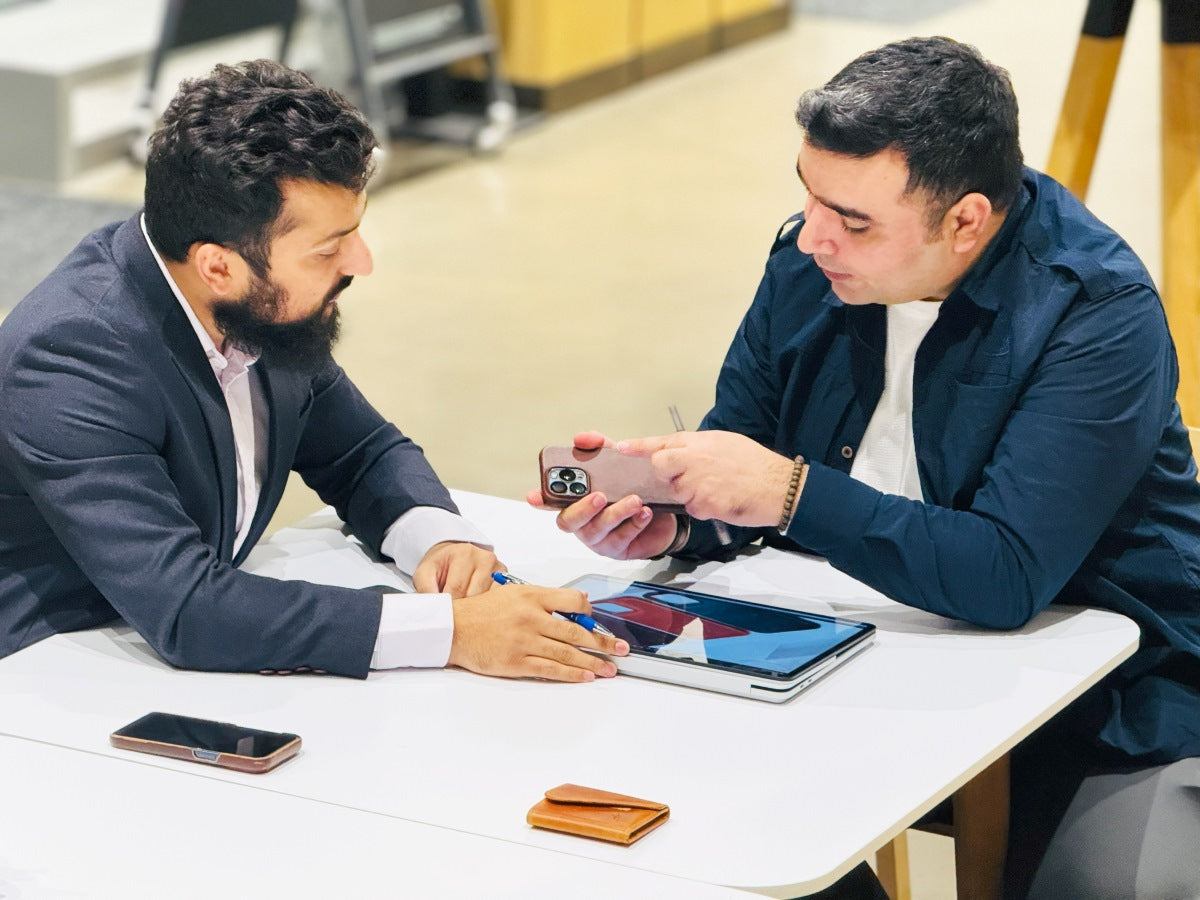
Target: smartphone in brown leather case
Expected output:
[589,812]
[568,474]
[205,741]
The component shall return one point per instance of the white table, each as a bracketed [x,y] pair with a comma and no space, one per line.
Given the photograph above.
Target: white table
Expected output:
[782,799]
[88,826]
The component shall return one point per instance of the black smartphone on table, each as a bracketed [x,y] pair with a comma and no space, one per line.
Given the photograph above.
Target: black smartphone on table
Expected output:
[206,741]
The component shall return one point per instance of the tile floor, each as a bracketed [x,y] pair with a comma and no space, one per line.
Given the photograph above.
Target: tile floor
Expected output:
[593,272]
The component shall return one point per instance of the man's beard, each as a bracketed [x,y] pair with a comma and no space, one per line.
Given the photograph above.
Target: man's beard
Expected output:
[249,323]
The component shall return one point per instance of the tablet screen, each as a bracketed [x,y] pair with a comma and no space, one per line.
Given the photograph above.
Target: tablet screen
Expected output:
[716,631]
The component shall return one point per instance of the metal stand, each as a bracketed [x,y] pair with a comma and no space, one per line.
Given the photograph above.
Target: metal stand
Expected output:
[394,40]
[190,22]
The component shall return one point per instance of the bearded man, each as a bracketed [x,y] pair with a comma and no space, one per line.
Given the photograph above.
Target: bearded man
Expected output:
[162,382]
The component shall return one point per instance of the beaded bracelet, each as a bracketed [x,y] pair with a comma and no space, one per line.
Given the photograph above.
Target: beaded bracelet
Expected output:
[799,471]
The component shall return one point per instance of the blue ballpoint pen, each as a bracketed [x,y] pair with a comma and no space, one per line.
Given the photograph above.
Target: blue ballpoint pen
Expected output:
[578,618]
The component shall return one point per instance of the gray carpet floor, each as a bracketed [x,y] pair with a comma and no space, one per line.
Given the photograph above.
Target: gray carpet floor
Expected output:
[37,229]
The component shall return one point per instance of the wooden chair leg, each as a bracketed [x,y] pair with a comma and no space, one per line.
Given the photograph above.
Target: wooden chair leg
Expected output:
[1181,192]
[1089,88]
[891,866]
[981,833]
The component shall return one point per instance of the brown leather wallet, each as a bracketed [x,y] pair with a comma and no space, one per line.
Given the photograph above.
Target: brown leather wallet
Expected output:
[597,814]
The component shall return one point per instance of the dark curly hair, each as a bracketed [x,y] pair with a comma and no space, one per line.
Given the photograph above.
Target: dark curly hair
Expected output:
[946,109]
[226,141]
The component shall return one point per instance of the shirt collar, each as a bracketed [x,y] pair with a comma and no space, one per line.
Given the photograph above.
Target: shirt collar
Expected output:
[226,366]
[975,284]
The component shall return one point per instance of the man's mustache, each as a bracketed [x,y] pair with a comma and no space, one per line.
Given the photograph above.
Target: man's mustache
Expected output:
[344,283]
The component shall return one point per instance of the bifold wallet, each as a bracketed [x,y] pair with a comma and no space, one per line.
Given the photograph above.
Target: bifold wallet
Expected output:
[597,814]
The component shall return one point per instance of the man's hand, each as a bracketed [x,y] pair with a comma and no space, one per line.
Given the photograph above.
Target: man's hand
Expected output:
[625,530]
[510,631]
[719,474]
[456,568]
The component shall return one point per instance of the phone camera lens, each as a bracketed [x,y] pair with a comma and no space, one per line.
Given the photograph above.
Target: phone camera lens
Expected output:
[558,487]
[578,489]
[567,474]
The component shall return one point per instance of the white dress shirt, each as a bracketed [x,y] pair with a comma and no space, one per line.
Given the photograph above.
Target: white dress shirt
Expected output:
[414,629]
[887,457]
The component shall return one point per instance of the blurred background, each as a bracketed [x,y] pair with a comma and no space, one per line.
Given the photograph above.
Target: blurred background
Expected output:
[577,196]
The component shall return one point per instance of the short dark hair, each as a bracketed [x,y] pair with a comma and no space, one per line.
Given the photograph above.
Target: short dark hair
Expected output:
[226,141]
[946,109]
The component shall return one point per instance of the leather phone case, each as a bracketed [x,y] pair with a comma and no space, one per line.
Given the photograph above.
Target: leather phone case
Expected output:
[592,813]
[604,470]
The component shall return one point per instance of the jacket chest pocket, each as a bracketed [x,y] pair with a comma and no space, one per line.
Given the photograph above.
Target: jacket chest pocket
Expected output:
[962,431]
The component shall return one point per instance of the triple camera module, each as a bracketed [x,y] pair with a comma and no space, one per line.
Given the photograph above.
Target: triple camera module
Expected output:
[567,480]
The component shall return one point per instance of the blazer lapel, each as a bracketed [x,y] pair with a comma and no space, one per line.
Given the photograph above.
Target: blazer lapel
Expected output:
[197,372]
[287,395]
[133,254]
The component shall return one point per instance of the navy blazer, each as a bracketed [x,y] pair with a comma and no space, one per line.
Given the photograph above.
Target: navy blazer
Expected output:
[118,477]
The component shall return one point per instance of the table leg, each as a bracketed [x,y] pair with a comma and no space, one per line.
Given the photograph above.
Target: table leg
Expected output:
[981,833]
[891,867]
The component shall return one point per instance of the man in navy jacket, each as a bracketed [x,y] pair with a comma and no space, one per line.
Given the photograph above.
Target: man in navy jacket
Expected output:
[161,383]
[958,386]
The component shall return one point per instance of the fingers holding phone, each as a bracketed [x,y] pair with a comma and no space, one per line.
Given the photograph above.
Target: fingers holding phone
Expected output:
[571,473]
[583,440]
[513,632]
[580,481]
[591,440]
[626,529]
[718,474]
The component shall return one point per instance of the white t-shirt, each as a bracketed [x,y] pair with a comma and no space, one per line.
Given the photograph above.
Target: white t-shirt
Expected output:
[887,458]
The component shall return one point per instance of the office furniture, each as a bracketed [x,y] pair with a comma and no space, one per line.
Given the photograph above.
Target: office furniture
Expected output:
[781,799]
[978,827]
[84,825]
[738,21]
[65,96]
[670,33]
[1078,135]
[187,23]
[559,53]
[393,40]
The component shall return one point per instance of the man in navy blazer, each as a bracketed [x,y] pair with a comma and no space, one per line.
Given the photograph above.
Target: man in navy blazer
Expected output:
[162,382]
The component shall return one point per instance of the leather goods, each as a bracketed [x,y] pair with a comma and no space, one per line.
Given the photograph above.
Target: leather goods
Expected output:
[592,813]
